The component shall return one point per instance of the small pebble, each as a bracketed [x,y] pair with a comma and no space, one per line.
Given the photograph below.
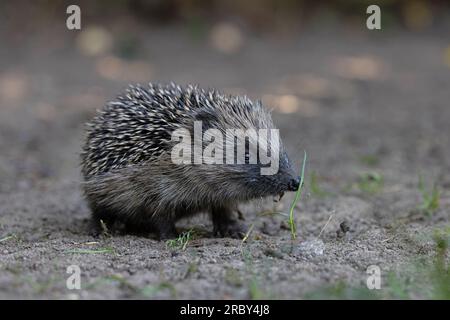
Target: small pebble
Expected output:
[72,296]
[310,248]
[273,253]
[344,226]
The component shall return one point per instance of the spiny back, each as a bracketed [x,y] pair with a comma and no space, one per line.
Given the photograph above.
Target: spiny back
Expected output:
[137,126]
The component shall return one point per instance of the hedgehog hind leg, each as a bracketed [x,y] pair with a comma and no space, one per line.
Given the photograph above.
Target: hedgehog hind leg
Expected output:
[224,225]
[164,226]
[102,220]
[145,223]
[166,230]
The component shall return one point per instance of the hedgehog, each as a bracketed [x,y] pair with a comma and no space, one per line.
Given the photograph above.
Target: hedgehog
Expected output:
[130,176]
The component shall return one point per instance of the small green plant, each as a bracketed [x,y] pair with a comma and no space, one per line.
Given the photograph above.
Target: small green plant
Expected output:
[441,271]
[430,199]
[341,291]
[7,238]
[105,230]
[182,241]
[191,269]
[110,279]
[397,287]
[314,186]
[370,182]
[91,251]
[233,278]
[255,290]
[247,235]
[369,160]
[297,197]
[43,285]
[150,290]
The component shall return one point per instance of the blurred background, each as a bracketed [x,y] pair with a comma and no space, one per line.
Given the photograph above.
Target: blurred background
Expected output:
[306,58]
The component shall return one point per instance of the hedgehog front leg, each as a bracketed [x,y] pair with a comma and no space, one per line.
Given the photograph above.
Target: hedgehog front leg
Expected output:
[102,220]
[164,225]
[224,225]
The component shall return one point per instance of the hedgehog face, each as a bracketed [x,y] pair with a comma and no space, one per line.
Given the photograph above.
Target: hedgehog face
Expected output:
[259,165]
[258,185]
[245,181]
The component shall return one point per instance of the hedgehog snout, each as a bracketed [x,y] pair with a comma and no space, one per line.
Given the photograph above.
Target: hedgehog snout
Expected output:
[287,182]
[293,184]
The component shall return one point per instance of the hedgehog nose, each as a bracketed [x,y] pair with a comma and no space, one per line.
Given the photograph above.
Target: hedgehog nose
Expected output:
[294,184]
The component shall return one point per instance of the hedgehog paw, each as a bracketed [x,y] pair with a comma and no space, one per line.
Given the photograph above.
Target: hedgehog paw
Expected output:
[232,229]
[167,234]
[167,231]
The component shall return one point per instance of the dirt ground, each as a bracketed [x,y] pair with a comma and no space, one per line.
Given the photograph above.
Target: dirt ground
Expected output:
[370,109]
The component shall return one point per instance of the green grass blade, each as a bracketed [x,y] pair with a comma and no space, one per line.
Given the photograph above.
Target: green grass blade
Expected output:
[90,251]
[297,197]
[7,238]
